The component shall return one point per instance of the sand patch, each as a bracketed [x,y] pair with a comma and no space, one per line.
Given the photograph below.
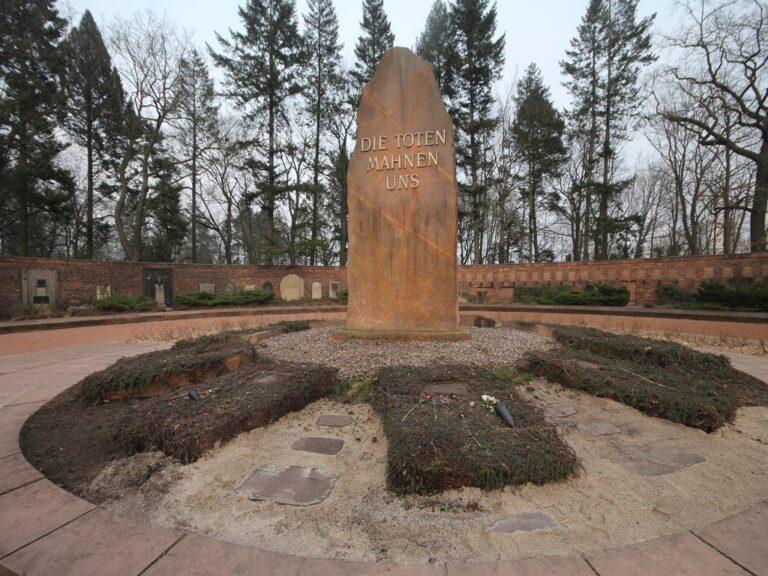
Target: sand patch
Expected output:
[608,505]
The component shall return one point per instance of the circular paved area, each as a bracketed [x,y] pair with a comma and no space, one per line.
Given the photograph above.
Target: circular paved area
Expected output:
[45,530]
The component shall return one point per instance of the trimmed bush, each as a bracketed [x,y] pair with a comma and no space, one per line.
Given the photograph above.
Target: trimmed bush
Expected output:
[713,295]
[658,378]
[591,295]
[209,300]
[343,295]
[438,443]
[125,304]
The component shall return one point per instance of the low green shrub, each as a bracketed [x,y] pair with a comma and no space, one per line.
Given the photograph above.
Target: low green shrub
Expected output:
[210,300]
[125,304]
[714,296]
[591,295]
[343,295]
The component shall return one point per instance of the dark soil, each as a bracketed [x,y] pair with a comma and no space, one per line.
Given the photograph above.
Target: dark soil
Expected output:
[71,440]
[187,363]
[448,441]
[661,379]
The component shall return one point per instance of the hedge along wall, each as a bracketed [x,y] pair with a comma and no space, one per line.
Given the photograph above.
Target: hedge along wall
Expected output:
[496,283]
[77,279]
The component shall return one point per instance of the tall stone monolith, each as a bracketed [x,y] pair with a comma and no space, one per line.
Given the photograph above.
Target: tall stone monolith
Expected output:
[401,270]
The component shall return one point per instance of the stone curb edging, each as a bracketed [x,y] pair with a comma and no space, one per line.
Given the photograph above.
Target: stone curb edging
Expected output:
[632,312]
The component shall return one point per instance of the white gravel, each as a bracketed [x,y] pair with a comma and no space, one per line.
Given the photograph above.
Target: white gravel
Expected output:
[486,347]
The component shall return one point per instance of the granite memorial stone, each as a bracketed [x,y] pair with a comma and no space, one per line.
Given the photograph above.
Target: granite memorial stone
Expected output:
[401,271]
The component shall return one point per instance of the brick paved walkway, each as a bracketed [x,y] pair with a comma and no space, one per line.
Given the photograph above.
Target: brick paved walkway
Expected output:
[45,531]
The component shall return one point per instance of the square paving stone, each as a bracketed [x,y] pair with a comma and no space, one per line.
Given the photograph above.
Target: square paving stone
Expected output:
[525,522]
[328,446]
[32,511]
[199,556]
[743,537]
[334,420]
[11,419]
[295,485]
[540,566]
[15,471]
[99,543]
[451,388]
[679,555]
[598,427]
[560,410]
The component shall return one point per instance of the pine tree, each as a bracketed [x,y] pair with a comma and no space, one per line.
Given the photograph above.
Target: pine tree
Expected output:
[582,66]
[168,225]
[603,66]
[262,66]
[373,43]
[321,37]
[479,59]
[538,137]
[198,123]
[31,106]
[94,100]
[435,46]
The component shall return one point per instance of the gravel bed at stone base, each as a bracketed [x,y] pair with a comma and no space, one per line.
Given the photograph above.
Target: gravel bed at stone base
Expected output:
[486,347]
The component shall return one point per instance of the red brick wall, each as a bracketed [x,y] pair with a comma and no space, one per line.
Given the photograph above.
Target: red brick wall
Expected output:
[78,278]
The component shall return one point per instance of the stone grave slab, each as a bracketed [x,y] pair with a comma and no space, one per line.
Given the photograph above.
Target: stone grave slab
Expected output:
[317,291]
[329,446]
[560,410]
[598,428]
[525,522]
[207,287]
[457,388]
[334,420]
[291,288]
[660,457]
[294,485]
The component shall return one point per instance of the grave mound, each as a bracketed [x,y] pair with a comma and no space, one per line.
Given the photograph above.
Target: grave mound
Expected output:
[659,378]
[442,436]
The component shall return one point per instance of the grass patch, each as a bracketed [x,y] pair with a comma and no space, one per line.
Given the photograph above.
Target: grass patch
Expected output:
[591,295]
[714,296]
[452,441]
[658,378]
[125,304]
[152,374]
[354,389]
[288,326]
[210,300]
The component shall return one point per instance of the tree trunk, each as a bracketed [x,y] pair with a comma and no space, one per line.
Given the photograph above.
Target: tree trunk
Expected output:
[344,212]
[759,201]
[89,194]
[194,185]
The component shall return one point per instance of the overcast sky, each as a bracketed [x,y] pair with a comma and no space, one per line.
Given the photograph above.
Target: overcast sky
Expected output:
[536,30]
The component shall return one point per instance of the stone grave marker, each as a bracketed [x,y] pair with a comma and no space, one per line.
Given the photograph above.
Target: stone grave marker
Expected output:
[525,522]
[291,288]
[401,271]
[294,485]
[333,289]
[207,287]
[317,291]
[334,420]
[319,445]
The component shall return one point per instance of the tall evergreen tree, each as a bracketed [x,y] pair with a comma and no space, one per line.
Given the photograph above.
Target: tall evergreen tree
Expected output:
[538,137]
[321,36]
[604,66]
[372,44]
[479,59]
[435,46]
[582,67]
[31,106]
[94,101]
[197,126]
[262,66]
